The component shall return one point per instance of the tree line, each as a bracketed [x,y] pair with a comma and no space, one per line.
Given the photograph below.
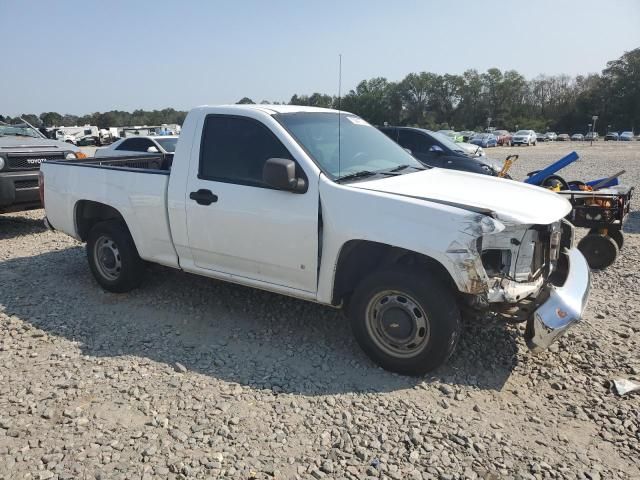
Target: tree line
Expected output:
[471,101]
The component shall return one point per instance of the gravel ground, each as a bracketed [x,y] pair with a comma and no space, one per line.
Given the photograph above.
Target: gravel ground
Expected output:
[192,378]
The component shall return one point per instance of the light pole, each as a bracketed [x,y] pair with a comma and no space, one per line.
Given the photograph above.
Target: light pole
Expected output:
[593,130]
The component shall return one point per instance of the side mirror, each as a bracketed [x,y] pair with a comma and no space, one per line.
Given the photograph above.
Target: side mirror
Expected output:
[280,173]
[153,150]
[408,150]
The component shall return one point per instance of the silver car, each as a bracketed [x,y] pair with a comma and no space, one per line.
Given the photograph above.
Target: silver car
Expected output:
[524,137]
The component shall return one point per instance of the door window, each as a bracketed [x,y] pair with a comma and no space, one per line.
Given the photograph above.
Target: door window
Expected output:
[135,145]
[235,149]
[414,141]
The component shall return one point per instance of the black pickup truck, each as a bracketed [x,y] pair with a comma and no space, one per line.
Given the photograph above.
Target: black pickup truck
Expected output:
[22,150]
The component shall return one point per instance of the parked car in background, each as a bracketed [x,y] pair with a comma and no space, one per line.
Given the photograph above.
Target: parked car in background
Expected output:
[626,136]
[163,145]
[563,137]
[484,140]
[577,137]
[256,196]
[612,136]
[551,136]
[437,150]
[467,134]
[524,137]
[455,136]
[503,137]
[22,150]
[541,137]
[592,136]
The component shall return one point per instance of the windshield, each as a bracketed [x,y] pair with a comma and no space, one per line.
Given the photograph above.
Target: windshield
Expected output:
[447,142]
[169,144]
[18,130]
[522,132]
[362,147]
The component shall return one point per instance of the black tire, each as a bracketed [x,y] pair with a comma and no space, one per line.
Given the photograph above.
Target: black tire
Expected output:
[599,250]
[113,257]
[616,234]
[419,306]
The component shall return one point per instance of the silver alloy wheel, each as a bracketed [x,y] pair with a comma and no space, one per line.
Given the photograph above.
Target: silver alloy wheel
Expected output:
[397,324]
[107,258]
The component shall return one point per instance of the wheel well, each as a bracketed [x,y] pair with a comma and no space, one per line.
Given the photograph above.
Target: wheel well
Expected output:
[88,213]
[359,258]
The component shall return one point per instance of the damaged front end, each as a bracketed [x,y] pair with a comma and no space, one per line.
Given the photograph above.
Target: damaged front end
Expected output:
[525,273]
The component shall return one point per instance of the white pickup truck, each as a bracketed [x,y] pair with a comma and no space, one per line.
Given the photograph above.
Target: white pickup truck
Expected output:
[321,206]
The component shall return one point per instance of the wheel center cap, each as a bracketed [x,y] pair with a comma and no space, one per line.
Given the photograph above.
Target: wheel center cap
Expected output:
[108,259]
[397,323]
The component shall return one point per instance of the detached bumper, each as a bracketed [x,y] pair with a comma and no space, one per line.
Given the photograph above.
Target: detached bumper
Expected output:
[564,306]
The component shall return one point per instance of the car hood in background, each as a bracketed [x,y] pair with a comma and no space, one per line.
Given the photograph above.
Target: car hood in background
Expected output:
[32,144]
[509,200]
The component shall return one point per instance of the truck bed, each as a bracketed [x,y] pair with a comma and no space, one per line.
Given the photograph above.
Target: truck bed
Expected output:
[135,186]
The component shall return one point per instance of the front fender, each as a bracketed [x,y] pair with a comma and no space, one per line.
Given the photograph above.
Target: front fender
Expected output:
[444,233]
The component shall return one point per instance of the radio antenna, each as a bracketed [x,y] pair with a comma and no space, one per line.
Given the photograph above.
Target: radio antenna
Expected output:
[339,109]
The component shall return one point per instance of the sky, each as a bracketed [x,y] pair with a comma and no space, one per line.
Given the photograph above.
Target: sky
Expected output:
[80,57]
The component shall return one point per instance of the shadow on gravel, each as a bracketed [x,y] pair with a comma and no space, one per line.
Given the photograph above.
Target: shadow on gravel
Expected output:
[632,224]
[226,331]
[12,227]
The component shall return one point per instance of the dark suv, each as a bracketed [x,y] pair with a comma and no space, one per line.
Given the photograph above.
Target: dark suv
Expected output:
[436,150]
[22,150]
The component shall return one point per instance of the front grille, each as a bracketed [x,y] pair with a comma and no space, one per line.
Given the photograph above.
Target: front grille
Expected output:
[24,184]
[30,161]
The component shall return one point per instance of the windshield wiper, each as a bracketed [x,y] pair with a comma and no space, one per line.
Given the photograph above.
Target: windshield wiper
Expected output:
[404,167]
[360,174]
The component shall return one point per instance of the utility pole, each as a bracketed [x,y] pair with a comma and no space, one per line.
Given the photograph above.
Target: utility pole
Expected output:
[593,129]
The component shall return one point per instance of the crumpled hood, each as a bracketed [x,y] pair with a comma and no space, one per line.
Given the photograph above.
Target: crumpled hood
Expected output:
[31,144]
[511,201]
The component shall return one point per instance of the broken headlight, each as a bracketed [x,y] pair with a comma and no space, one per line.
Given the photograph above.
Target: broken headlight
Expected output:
[496,262]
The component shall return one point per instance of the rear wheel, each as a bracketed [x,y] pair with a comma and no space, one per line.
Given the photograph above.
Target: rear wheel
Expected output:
[599,250]
[405,320]
[113,257]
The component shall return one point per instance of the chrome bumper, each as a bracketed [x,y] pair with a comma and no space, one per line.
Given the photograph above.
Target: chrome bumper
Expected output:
[564,307]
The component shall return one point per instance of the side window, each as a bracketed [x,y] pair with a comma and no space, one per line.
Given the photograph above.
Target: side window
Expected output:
[235,149]
[415,141]
[135,145]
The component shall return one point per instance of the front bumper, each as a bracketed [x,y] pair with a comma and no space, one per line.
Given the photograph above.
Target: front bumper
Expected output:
[19,189]
[564,306]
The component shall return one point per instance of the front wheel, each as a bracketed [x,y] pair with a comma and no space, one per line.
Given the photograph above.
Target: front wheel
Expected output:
[405,320]
[113,257]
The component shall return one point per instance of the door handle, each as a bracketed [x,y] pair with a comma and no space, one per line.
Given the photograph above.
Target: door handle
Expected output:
[203,197]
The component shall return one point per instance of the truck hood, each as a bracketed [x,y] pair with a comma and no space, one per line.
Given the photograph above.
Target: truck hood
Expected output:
[507,200]
[31,144]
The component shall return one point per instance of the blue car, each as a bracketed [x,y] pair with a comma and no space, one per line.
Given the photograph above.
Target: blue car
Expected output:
[485,140]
